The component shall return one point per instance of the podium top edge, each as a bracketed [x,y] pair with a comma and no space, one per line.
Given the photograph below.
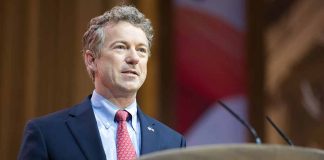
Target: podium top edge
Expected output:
[252,145]
[242,148]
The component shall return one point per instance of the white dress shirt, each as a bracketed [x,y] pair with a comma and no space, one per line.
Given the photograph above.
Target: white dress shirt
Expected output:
[105,112]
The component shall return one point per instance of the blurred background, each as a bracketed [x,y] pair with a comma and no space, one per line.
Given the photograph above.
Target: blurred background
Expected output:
[260,57]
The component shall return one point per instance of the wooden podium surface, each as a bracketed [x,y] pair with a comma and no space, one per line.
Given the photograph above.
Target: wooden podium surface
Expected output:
[238,152]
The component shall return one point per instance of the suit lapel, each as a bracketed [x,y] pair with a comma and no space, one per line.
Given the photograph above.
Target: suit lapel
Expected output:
[149,134]
[83,126]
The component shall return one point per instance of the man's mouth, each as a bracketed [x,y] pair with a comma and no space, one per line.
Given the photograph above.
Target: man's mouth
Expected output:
[132,72]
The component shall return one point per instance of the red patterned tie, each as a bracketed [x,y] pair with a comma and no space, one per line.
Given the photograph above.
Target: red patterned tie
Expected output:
[125,148]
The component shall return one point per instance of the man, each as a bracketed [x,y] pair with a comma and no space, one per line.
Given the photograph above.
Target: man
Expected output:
[108,124]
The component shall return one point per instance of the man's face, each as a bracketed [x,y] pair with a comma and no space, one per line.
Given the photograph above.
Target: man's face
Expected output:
[122,66]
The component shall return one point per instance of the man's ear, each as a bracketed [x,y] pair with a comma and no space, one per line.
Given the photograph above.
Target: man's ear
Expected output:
[89,60]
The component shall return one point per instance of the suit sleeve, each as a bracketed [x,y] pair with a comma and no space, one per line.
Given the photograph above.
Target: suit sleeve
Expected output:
[33,144]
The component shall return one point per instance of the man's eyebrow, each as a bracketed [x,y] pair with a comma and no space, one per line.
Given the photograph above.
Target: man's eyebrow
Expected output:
[143,44]
[126,43]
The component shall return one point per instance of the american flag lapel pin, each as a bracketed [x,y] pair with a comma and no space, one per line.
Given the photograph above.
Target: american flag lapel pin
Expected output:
[150,128]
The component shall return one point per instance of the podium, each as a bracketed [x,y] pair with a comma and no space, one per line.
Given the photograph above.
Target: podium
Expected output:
[238,152]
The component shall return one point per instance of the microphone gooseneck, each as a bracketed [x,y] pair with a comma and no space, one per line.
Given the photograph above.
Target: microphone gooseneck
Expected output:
[281,133]
[247,125]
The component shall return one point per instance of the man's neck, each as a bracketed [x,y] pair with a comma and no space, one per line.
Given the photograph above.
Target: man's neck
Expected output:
[120,100]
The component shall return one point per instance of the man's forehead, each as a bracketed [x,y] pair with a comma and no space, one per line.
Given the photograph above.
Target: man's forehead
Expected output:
[126,30]
[113,24]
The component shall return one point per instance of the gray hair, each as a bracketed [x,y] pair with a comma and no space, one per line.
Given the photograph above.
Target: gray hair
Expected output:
[93,38]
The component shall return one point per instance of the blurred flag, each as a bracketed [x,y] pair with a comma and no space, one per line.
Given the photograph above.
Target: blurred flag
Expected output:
[210,65]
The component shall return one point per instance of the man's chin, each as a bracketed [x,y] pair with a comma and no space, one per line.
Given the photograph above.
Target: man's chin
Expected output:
[129,87]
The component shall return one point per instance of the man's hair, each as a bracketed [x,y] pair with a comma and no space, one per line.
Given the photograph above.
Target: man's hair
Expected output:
[93,38]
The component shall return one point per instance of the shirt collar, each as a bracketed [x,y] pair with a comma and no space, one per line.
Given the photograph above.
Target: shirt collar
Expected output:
[106,110]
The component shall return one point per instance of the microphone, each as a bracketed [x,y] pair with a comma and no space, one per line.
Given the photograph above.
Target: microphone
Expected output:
[281,133]
[247,125]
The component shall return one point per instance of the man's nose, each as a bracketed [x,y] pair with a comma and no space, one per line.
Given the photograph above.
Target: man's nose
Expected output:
[132,56]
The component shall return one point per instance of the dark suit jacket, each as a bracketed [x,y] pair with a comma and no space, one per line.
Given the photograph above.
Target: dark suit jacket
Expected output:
[73,134]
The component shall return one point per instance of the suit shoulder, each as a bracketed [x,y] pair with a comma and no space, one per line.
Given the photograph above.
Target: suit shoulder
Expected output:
[63,114]
[57,116]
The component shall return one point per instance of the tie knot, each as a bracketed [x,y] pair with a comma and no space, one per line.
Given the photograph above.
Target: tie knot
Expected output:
[121,115]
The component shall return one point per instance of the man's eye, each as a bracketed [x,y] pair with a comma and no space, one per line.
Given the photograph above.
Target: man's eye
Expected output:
[143,50]
[120,47]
